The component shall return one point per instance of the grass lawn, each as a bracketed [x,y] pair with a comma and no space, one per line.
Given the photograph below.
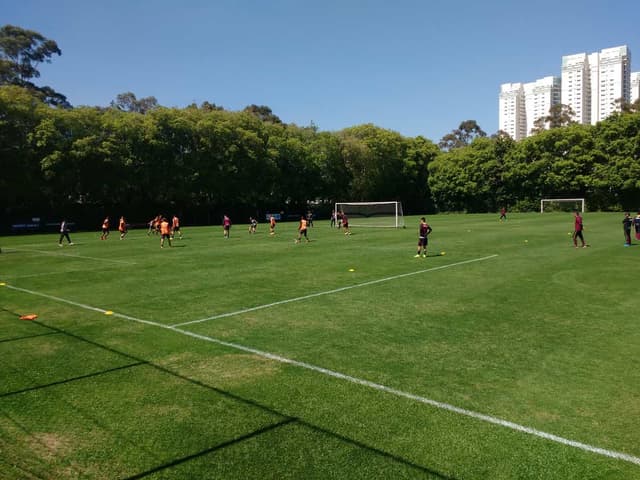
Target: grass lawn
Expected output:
[504,354]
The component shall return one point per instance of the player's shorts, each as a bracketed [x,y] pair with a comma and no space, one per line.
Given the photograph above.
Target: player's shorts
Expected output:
[105,230]
[166,235]
[176,229]
[303,232]
[345,225]
[423,241]
[226,227]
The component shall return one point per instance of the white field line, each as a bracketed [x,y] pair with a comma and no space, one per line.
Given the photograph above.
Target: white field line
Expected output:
[329,292]
[60,254]
[358,381]
[57,272]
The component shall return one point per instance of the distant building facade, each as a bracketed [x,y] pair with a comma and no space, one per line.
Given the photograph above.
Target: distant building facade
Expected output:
[635,87]
[592,85]
[512,115]
[540,96]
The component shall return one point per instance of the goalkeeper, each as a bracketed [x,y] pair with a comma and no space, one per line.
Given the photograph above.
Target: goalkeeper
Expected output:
[423,238]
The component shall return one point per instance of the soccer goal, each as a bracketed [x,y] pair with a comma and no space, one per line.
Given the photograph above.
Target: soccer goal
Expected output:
[562,205]
[371,214]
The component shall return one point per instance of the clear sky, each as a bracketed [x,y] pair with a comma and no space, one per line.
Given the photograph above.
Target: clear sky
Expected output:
[418,67]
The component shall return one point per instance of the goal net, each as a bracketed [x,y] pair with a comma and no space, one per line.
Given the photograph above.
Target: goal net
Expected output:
[562,205]
[371,214]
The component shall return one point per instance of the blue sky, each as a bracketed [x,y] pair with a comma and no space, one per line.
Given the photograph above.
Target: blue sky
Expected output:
[415,67]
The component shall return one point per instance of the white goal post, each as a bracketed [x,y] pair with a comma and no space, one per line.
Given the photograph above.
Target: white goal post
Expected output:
[577,202]
[371,214]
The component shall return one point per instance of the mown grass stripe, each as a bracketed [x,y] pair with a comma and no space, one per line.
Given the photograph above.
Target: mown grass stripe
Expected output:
[366,383]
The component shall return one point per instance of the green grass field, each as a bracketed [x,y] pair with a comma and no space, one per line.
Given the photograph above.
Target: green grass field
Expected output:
[512,356]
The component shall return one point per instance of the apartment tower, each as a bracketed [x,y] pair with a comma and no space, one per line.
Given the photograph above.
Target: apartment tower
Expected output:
[594,84]
[539,97]
[512,117]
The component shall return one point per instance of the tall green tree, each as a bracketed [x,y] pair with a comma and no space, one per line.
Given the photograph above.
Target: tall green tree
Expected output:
[127,102]
[21,51]
[467,131]
[559,116]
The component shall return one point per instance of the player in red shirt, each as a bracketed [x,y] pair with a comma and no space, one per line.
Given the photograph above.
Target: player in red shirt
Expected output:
[423,238]
[577,231]
[226,226]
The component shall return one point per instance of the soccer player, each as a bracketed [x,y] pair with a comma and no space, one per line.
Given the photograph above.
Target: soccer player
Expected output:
[175,227]
[253,225]
[333,219]
[423,238]
[226,226]
[122,227]
[503,214]
[105,229]
[165,232]
[272,225]
[64,233]
[636,225]
[302,229]
[345,224]
[577,230]
[626,226]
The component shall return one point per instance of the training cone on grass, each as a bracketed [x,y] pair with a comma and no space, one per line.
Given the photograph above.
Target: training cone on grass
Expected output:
[30,316]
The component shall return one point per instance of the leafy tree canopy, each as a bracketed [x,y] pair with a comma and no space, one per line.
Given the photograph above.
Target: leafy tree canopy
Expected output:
[21,51]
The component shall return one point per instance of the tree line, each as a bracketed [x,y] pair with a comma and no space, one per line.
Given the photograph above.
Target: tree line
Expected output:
[138,158]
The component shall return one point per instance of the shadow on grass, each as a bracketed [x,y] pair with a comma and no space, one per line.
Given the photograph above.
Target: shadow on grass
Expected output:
[286,418]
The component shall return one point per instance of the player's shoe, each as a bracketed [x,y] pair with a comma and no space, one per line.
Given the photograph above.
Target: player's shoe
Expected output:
[416,255]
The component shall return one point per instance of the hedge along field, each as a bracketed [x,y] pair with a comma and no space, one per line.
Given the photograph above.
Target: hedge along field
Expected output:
[506,353]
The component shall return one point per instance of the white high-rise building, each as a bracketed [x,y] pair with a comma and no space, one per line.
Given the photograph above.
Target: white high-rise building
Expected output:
[593,85]
[576,86]
[614,81]
[539,97]
[635,87]
[512,116]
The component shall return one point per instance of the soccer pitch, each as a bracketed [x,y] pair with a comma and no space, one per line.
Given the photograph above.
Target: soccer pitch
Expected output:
[506,353]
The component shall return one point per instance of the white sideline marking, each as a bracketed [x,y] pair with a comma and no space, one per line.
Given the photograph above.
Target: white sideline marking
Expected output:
[328,292]
[358,381]
[59,272]
[60,254]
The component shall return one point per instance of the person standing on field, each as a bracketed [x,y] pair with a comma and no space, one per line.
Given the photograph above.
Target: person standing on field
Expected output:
[503,214]
[253,225]
[122,228]
[64,233]
[302,229]
[345,224]
[626,226]
[175,227]
[226,226]
[423,238]
[636,225]
[578,227]
[165,232]
[105,229]
[272,225]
